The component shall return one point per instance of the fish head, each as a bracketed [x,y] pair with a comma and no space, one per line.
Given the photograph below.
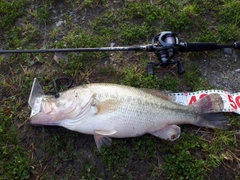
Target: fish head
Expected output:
[68,108]
[48,112]
[42,106]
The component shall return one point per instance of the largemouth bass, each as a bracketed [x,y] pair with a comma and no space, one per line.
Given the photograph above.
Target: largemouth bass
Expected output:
[110,110]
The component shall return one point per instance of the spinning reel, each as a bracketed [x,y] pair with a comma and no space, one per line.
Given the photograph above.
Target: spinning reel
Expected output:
[165,45]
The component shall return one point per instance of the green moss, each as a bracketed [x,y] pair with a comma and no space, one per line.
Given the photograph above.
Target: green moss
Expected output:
[116,159]
[145,147]
[10,11]
[21,37]
[139,78]
[181,162]
[42,14]
[194,80]
[130,33]
[15,162]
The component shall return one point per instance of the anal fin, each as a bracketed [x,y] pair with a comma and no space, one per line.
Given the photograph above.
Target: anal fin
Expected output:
[171,132]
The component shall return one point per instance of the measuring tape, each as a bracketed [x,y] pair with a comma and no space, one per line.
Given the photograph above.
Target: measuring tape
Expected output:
[231,101]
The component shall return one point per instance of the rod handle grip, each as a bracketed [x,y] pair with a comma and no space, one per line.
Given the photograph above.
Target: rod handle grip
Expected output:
[197,46]
[237,45]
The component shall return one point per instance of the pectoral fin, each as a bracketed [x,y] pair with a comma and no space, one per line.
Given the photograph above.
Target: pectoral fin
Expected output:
[107,106]
[171,133]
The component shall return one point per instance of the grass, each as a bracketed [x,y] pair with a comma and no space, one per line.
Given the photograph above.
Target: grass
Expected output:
[10,11]
[181,163]
[68,155]
[15,162]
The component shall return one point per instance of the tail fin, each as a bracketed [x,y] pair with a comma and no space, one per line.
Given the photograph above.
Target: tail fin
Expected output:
[209,104]
[209,107]
[213,120]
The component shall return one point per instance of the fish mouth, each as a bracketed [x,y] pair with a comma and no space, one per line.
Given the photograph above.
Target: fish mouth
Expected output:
[38,118]
[43,119]
[35,98]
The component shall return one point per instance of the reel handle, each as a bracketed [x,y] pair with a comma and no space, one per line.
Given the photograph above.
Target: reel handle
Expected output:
[180,66]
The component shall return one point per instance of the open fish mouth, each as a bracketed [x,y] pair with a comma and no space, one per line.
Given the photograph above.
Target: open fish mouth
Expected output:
[35,97]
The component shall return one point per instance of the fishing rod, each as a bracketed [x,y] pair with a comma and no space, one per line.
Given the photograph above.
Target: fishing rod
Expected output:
[165,45]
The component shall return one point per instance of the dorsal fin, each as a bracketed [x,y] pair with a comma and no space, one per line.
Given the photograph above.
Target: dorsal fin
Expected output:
[157,93]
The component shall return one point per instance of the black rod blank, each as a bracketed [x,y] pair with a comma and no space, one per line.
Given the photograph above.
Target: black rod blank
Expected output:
[131,48]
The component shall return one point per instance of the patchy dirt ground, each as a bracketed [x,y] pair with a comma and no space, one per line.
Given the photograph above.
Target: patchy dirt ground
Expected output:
[222,72]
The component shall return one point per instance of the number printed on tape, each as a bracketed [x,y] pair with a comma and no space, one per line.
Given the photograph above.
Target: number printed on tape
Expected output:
[231,101]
